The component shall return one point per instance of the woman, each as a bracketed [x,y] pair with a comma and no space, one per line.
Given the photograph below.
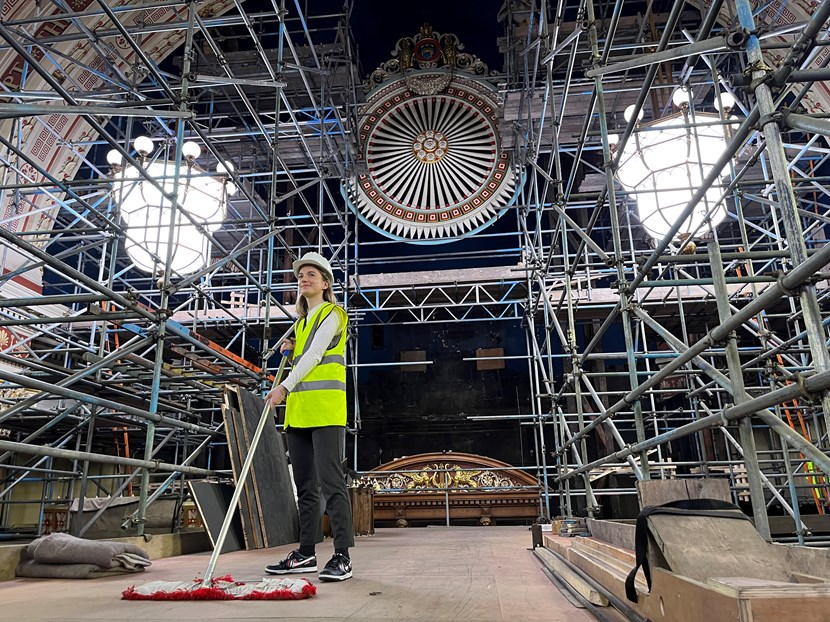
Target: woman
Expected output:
[315,420]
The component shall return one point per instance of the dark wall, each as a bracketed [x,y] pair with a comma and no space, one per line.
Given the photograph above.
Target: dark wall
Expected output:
[408,412]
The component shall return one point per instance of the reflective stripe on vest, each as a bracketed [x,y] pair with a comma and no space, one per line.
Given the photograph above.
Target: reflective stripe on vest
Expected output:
[334,358]
[316,385]
[319,399]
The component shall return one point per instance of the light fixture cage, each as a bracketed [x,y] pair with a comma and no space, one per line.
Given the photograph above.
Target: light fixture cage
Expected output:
[149,214]
[662,166]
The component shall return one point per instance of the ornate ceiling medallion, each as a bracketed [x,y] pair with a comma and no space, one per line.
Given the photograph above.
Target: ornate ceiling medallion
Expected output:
[429,139]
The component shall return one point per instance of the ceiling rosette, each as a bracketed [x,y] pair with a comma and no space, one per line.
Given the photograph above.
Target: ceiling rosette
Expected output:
[433,169]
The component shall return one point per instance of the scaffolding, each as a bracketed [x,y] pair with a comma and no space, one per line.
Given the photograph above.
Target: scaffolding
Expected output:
[703,355]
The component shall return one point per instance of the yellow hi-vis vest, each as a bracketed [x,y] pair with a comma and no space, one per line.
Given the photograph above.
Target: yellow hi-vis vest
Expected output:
[319,399]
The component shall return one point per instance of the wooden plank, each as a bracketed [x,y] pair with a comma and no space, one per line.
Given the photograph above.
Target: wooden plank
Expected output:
[609,577]
[563,572]
[778,609]
[660,491]
[676,598]
[700,547]
[784,525]
[746,587]
[610,565]
[773,601]
[276,505]
[490,363]
[251,510]
[362,510]
[616,533]
[807,578]
[624,556]
[213,500]
[806,560]
[236,468]
[413,356]
[237,453]
[244,433]
[679,599]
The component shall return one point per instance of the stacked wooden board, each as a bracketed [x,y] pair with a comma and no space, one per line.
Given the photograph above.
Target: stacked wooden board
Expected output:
[702,567]
[267,506]
[678,598]
[363,515]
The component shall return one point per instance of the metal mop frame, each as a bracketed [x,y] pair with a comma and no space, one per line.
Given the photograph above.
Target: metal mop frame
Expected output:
[243,474]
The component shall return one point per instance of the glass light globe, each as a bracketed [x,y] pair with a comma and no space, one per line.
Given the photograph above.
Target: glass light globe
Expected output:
[671,191]
[665,166]
[711,147]
[681,97]
[223,168]
[191,150]
[151,195]
[148,212]
[205,200]
[190,247]
[128,194]
[629,112]
[632,170]
[124,189]
[666,148]
[726,101]
[143,145]
[114,157]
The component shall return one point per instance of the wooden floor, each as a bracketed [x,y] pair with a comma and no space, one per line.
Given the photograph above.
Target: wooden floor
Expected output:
[482,574]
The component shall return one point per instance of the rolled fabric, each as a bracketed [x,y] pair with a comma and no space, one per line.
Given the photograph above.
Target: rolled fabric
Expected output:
[62,548]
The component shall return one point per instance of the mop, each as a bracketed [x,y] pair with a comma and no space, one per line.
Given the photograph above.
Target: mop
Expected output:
[224,587]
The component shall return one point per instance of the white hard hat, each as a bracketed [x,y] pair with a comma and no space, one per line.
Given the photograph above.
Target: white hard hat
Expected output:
[314,259]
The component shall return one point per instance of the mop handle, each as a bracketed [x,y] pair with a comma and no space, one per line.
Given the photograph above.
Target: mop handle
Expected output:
[240,481]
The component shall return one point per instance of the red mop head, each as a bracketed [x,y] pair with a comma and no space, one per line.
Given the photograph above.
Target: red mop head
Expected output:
[222,588]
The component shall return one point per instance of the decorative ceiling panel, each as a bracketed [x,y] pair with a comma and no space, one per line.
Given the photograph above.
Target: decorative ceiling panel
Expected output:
[434,168]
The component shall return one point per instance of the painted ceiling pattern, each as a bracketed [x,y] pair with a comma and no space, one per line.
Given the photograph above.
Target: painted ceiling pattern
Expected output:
[430,143]
[54,147]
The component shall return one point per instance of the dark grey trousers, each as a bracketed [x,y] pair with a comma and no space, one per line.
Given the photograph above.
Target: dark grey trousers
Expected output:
[316,460]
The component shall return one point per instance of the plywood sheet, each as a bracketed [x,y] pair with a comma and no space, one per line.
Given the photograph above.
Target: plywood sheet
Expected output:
[275,503]
[660,491]
[491,363]
[236,428]
[237,452]
[701,547]
[213,499]
[413,356]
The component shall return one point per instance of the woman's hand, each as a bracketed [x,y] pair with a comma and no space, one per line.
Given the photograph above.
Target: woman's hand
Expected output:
[276,396]
[287,346]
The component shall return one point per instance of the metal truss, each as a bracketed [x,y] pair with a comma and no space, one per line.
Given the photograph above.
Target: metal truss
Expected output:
[502,296]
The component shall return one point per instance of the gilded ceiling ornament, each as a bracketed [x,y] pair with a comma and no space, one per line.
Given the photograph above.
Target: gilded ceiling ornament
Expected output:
[426,50]
[432,168]
[430,84]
